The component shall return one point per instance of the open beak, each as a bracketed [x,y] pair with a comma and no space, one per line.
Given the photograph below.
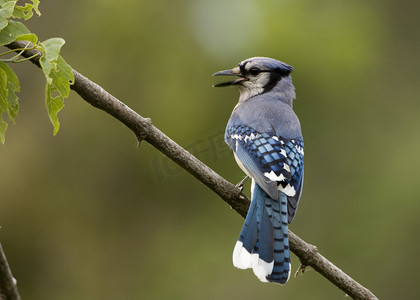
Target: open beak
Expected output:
[234,72]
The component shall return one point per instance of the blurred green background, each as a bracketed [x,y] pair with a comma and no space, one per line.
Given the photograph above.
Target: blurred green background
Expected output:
[87,215]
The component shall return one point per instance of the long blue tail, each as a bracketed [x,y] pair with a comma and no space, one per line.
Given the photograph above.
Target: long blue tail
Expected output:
[263,244]
[278,215]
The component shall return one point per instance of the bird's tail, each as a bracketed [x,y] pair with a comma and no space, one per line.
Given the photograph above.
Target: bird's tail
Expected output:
[278,215]
[263,244]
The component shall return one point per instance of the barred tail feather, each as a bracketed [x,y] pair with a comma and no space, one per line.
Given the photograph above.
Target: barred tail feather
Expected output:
[242,257]
[279,218]
[263,244]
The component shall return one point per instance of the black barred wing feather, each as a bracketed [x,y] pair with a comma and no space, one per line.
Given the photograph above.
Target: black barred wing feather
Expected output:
[274,162]
[294,151]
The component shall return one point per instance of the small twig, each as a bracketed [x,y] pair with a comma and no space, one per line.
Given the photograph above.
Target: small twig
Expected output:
[21,50]
[15,60]
[8,288]
[29,46]
[240,184]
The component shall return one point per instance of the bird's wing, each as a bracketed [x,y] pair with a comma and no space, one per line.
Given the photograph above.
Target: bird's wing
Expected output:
[275,163]
[294,151]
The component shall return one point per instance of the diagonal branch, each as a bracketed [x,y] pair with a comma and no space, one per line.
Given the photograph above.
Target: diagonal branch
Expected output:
[8,289]
[144,130]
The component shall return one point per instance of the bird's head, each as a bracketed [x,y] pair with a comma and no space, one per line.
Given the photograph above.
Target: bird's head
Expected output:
[256,75]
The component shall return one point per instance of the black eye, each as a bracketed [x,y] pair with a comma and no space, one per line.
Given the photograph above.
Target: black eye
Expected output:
[254,71]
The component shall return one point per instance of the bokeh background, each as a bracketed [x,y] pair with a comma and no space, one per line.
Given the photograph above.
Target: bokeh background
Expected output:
[88,215]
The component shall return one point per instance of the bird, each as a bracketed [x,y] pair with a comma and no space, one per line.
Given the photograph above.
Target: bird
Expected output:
[266,138]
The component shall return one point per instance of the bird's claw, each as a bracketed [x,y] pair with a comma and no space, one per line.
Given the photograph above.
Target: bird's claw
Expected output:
[300,270]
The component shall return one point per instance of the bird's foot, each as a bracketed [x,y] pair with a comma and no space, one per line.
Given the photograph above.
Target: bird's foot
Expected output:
[300,270]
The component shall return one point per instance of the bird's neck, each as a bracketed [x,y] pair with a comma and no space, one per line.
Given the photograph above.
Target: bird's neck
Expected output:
[246,93]
[283,90]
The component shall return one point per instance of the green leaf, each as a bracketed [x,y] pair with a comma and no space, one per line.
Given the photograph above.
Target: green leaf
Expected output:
[59,76]
[3,103]
[27,11]
[30,37]
[59,88]
[6,11]
[62,77]
[12,87]
[9,85]
[3,2]
[52,48]
[3,127]
[12,31]
[53,104]
[3,91]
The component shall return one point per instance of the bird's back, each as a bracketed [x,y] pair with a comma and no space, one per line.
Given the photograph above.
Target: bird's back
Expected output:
[265,113]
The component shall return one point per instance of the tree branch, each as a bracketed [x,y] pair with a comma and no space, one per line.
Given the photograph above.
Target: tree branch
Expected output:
[144,130]
[8,288]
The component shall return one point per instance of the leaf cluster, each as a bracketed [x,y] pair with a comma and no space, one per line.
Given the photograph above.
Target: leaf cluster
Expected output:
[58,74]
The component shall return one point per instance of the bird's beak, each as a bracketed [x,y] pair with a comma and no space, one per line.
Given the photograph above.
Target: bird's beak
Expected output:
[234,72]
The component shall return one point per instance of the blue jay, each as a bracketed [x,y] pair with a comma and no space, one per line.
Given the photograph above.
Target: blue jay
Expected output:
[265,136]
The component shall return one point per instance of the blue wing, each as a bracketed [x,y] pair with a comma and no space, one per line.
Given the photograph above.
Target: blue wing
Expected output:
[275,163]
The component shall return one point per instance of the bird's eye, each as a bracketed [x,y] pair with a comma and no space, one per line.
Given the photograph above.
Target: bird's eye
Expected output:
[254,71]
